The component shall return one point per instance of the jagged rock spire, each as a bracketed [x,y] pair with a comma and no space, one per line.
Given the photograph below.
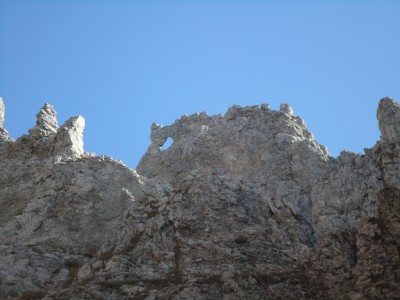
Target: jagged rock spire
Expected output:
[46,122]
[69,139]
[388,115]
[2,109]
[285,108]
[3,132]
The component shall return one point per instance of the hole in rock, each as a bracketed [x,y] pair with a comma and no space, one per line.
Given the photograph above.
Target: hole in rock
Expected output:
[167,144]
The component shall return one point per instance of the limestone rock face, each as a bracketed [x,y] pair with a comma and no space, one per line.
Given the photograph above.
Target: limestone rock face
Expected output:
[245,205]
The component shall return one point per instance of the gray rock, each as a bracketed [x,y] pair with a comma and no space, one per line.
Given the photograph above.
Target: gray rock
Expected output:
[46,122]
[246,205]
[389,120]
[2,109]
[3,132]
[69,139]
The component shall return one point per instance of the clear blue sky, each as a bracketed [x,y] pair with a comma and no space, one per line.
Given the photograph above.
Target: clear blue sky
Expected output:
[124,64]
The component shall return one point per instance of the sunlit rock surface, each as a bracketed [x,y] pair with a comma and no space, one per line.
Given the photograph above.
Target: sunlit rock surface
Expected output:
[245,205]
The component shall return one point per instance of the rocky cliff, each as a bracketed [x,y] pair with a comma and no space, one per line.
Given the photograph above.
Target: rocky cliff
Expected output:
[245,205]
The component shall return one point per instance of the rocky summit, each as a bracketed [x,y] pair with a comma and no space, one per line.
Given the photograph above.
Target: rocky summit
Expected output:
[245,205]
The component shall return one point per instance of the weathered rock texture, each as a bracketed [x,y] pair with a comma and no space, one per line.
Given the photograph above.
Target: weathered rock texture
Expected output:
[245,205]
[1,113]
[3,132]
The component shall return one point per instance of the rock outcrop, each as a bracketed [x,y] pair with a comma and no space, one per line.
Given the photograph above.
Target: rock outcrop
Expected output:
[2,108]
[245,205]
[3,132]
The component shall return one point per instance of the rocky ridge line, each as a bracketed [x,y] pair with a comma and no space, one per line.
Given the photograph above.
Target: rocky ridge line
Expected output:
[245,205]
